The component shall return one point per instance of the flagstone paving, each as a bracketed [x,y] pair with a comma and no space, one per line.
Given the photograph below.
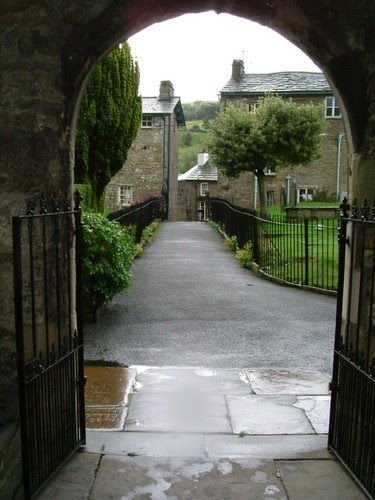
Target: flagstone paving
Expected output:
[198,433]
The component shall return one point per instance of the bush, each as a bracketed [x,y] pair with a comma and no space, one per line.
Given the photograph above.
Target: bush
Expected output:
[147,236]
[324,196]
[187,138]
[107,257]
[246,255]
[195,128]
[232,240]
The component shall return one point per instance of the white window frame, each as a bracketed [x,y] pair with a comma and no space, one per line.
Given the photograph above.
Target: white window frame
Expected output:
[270,197]
[201,210]
[332,109]
[147,121]
[204,188]
[125,196]
[306,196]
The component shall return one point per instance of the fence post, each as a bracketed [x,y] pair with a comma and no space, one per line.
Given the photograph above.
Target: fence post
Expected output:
[306,221]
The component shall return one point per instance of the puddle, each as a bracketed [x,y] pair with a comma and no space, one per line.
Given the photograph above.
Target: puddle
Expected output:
[205,373]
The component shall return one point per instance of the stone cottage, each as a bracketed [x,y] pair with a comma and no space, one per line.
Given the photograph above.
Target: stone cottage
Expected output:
[327,175]
[151,168]
[193,187]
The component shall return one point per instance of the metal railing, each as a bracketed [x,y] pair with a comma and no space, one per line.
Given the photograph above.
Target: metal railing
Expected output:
[296,251]
[139,216]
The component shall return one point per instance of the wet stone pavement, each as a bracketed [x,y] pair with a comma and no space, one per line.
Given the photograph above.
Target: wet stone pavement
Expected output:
[192,303]
[234,431]
[198,433]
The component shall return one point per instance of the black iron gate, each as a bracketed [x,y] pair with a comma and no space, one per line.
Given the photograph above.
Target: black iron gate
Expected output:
[352,424]
[48,316]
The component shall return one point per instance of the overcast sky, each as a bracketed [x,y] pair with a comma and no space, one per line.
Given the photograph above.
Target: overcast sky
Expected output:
[195,52]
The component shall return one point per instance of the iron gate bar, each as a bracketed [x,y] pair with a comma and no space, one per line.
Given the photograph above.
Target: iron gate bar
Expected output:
[352,432]
[51,374]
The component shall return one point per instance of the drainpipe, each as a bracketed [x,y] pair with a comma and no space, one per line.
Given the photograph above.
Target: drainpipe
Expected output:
[169,161]
[164,172]
[255,191]
[339,141]
[288,178]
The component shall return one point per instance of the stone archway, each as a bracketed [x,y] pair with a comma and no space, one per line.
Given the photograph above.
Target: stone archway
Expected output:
[47,51]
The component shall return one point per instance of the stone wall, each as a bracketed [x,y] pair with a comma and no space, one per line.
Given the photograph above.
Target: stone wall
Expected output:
[189,197]
[143,169]
[47,50]
[321,174]
[10,462]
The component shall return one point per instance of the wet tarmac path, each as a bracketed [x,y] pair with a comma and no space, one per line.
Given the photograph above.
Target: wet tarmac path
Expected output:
[192,304]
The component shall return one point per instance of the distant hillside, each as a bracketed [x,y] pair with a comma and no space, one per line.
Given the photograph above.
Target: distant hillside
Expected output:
[193,139]
[201,110]
[191,142]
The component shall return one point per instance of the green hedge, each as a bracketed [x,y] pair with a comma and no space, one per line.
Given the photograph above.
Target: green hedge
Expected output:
[107,257]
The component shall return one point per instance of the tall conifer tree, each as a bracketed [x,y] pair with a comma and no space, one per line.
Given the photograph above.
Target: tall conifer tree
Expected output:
[108,122]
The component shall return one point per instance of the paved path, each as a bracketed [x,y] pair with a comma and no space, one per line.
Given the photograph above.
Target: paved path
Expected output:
[199,434]
[193,304]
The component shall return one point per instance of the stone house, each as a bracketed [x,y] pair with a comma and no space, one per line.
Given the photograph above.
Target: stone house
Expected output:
[151,168]
[193,186]
[329,174]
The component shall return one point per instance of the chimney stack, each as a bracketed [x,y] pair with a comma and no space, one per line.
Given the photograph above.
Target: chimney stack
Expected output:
[166,91]
[202,159]
[238,69]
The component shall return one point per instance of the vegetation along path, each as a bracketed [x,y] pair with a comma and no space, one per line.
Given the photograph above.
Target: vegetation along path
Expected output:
[193,304]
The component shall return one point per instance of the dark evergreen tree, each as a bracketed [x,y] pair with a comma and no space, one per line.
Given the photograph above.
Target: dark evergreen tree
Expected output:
[108,122]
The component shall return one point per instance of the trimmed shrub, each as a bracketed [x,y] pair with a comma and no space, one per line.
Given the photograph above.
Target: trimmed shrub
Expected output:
[107,257]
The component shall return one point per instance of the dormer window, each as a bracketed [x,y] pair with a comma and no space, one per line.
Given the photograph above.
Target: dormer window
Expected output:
[332,108]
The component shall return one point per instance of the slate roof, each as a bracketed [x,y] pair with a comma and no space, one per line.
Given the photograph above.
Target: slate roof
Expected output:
[286,82]
[206,172]
[153,106]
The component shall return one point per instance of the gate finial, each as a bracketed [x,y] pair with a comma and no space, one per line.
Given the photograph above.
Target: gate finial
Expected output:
[365,210]
[77,200]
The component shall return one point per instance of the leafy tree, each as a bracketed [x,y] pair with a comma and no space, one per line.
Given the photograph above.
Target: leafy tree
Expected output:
[201,110]
[108,121]
[187,138]
[275,134]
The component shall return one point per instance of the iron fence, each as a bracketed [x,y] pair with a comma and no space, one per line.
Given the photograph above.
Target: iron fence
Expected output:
[139,216]
[297,251]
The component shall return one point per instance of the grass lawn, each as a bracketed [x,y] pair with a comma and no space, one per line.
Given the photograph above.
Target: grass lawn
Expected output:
[285,249]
